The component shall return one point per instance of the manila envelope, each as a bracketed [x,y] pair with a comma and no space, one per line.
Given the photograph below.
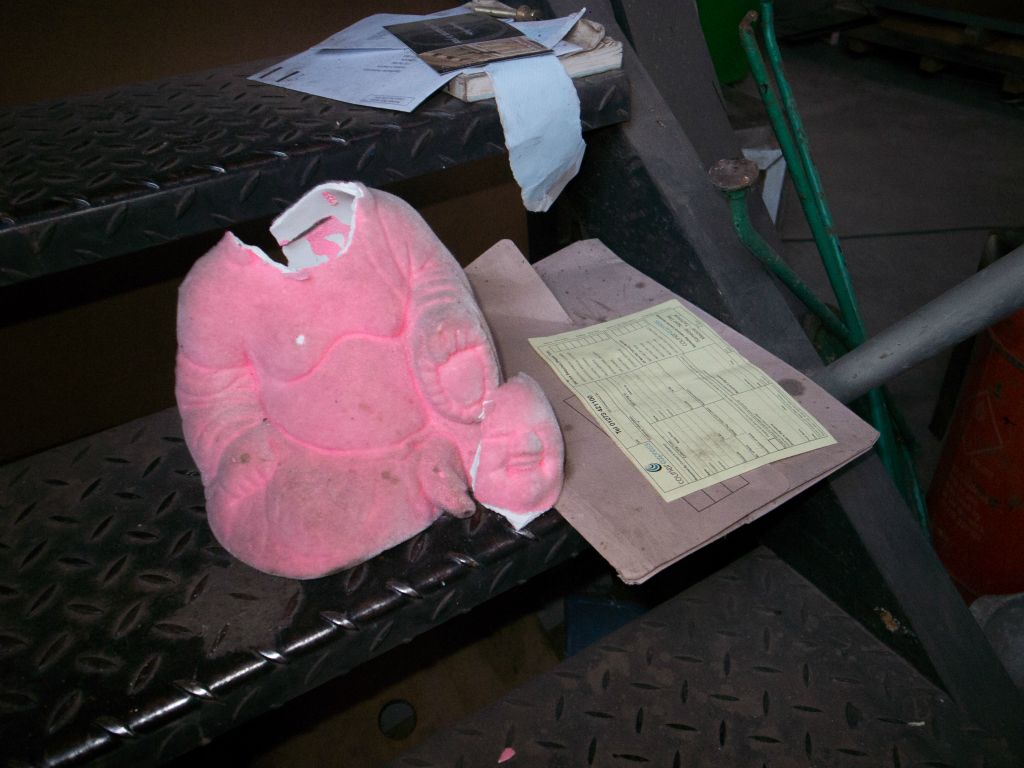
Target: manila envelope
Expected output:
[605,496]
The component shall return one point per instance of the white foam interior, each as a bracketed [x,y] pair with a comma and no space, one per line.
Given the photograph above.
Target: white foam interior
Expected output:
[335,199]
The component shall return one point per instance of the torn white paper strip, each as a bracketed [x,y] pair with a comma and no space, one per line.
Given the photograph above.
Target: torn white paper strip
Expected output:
[540,115]
[771,161]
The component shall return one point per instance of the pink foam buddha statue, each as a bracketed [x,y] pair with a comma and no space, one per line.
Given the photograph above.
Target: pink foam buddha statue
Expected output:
[337,405]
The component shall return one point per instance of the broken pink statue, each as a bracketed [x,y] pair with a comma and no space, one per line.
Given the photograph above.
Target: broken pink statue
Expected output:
[338,405]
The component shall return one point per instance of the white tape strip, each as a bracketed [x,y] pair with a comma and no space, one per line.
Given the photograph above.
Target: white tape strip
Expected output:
[540,113]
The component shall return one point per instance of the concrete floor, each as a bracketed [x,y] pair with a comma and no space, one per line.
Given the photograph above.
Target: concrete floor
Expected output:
[918,171]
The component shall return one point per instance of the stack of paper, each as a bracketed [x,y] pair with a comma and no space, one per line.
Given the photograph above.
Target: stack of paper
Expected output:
[366,64]
[587,51]
[673,438]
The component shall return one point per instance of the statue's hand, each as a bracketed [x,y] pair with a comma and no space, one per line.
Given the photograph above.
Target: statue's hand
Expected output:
[454,362]
[442,480]
[248,463]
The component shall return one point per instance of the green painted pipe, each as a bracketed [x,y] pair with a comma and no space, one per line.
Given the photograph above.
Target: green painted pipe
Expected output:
[787,143]
[757,245]
[786,122]
[831,253]
[798,173]
[751,238]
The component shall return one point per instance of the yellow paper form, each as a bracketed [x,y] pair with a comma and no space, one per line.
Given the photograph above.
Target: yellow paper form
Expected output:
[681,402]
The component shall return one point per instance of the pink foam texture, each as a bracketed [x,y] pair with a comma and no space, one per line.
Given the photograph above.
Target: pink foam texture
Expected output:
[337,406]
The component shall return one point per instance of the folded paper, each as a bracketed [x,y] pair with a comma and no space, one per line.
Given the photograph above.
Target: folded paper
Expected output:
[338,404]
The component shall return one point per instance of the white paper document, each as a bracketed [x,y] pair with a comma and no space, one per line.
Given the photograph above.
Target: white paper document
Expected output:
[362,64]
[681,402]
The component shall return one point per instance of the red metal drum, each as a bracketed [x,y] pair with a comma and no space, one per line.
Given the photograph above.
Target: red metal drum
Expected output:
[976,500]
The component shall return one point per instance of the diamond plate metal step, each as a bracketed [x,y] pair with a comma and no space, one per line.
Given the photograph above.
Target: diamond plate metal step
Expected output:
[127,633]
[107,173]
[752,666]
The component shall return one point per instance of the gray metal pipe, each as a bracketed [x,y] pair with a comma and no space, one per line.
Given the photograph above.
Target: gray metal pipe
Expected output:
[978,302]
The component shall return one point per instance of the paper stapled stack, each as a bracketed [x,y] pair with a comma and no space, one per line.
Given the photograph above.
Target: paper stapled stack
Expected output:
[666,450]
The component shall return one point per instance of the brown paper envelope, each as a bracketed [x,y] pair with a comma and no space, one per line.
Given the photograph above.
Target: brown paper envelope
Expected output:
[605,497]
